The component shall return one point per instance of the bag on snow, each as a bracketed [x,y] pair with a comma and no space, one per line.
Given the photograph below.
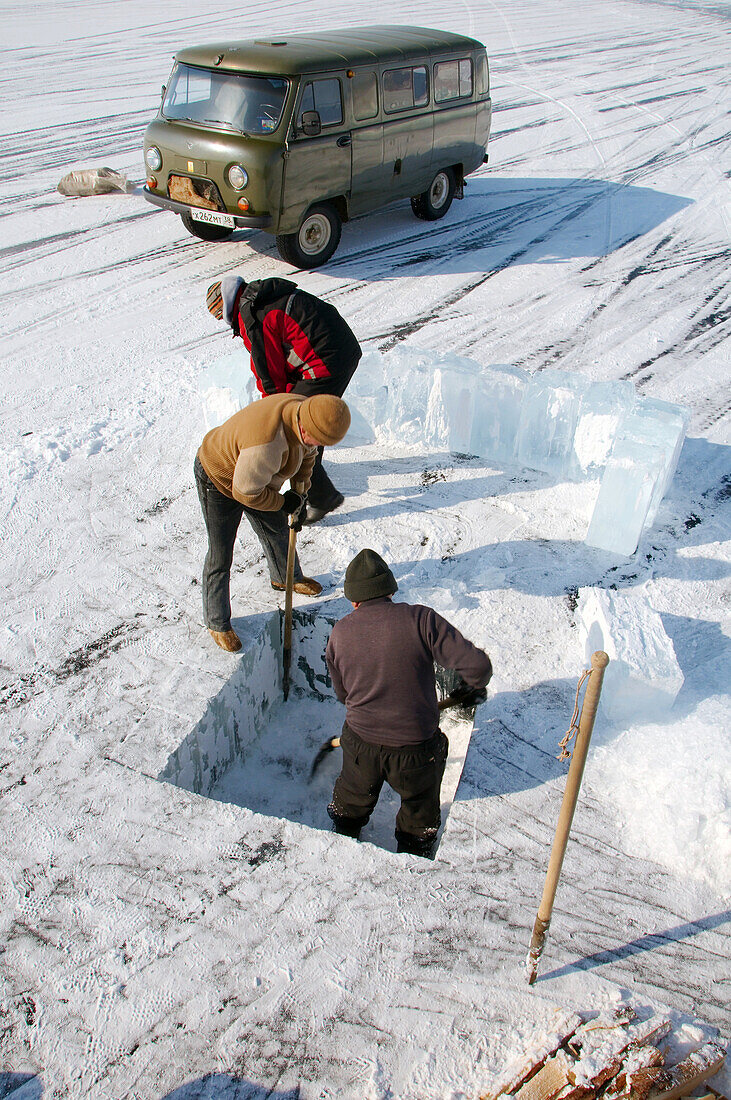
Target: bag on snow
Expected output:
[92,181]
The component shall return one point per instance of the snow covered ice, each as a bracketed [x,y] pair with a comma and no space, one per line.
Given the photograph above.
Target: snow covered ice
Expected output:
[173,941]
[643,677]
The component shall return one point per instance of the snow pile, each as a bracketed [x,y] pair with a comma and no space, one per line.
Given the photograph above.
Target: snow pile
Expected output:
[666,772]
[668,784]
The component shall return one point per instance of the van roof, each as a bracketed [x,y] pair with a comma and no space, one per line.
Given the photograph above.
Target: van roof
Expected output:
[291,54]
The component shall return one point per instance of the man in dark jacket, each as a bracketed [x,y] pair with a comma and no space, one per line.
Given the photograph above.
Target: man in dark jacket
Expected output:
[381,661]
[298,344]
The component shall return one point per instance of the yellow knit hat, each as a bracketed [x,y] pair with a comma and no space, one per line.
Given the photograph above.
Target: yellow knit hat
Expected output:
[325,417]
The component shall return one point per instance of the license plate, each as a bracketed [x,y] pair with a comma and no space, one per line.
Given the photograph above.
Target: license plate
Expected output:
[212,217]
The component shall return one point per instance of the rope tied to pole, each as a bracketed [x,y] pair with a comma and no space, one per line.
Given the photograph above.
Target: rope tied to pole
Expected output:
[573,729]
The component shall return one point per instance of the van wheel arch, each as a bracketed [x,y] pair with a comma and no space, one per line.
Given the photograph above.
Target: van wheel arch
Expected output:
[316,239]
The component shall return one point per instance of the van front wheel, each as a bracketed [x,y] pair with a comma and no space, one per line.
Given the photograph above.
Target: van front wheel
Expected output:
[316,239]
[204,231]
[434,203]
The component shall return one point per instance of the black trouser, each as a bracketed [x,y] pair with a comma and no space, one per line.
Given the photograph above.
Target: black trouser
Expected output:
[322,493]
[414,772]
[223,516]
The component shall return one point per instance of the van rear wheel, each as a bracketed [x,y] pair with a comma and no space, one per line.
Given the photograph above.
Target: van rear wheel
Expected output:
[205,231]
[316,239]
[434,203]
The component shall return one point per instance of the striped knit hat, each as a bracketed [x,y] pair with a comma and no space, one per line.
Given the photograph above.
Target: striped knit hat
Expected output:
[214,301]
[221,296]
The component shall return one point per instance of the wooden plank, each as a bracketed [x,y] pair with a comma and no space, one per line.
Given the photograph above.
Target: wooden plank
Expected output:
[601,1053]
[551,1079]
[680,1080]
[640,1066]
[530,1061]
[615,1017]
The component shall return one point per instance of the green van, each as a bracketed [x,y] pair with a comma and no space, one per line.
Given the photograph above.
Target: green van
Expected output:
[296,136]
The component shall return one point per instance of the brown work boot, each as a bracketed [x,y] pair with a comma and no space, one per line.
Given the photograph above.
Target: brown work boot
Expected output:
[306,586]
[227,639]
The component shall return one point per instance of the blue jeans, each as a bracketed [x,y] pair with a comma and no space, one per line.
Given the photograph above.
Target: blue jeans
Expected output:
[222,515]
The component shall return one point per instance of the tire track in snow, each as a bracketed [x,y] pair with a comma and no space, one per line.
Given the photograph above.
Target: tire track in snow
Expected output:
[60,145]
[400,332]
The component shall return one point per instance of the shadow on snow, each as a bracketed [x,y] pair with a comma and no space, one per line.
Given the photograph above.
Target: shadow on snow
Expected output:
[642,943]
[221,1086]
[214,1086]
[500,223]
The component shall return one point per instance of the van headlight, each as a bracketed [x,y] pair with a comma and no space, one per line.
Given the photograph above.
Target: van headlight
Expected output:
[153,158]
[237,177]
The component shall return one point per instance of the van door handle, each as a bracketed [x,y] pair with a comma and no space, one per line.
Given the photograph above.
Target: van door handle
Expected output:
[344,141]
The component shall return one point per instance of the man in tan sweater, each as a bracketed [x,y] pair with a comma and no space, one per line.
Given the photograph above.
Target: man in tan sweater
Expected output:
[240,469]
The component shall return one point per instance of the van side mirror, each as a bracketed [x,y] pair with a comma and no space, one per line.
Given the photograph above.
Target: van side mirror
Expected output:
[162,91]
[311,125]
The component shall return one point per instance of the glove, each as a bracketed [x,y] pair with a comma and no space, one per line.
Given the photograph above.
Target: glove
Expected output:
[295,505]
[467,696]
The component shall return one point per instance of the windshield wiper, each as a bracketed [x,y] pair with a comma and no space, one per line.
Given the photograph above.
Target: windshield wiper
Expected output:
[229,125]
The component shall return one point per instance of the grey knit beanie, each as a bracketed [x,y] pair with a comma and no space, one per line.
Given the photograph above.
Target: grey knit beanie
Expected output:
[368,577]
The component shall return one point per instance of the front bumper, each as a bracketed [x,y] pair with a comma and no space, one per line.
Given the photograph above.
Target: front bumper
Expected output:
[240,221]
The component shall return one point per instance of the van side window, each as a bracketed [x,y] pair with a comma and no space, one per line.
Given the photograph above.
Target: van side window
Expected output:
[365,95]
[404,88]
[452,80]
[323,96]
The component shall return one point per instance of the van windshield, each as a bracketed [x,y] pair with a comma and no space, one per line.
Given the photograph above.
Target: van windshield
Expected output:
[249,104]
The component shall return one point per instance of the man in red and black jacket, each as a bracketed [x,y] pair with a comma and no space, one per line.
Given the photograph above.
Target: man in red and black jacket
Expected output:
[298,344]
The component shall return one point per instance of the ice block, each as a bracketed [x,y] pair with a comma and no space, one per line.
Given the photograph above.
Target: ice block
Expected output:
[643,676]
[661,425]
[602,408]
[625,494]
[548,421]
[451,409]
[496,418]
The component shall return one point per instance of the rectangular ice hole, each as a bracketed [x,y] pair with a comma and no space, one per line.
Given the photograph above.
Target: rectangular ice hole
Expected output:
[252,749]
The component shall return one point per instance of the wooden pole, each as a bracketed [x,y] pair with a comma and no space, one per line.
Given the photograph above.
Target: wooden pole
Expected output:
[599,662]
[288,590]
